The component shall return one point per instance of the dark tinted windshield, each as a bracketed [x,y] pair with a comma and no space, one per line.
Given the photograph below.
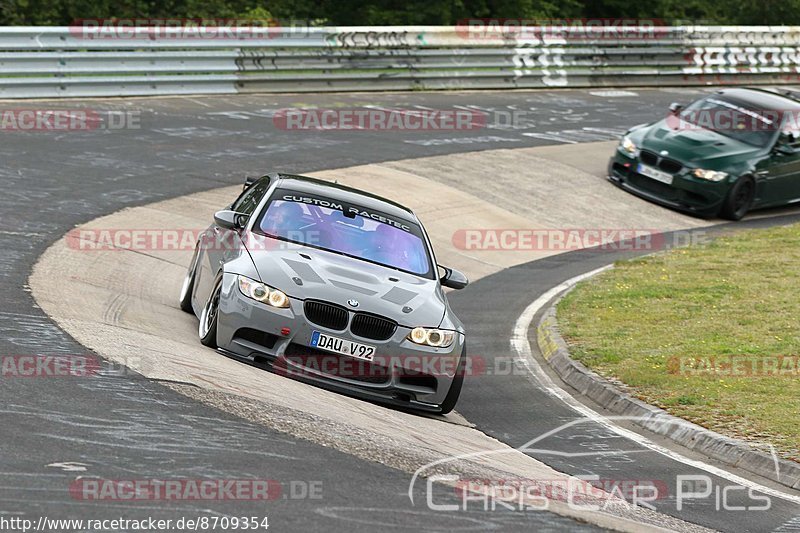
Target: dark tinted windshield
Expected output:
[363,234]
[732,119]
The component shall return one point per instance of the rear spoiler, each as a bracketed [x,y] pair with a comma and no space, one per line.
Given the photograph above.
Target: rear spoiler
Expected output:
[249,180]
[792,94]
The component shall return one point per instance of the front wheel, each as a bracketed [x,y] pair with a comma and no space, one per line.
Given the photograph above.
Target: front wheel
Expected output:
[739,200]
[453,394]
[209,318]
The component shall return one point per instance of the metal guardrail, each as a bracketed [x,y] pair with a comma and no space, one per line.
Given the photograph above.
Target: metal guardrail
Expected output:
[43,62]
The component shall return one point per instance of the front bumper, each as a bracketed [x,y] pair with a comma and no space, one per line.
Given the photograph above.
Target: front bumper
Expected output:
[402,373]
[686,193]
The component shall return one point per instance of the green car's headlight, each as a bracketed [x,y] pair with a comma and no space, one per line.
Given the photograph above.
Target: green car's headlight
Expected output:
[628,147]
[438,338]
[710,175]
[262,293]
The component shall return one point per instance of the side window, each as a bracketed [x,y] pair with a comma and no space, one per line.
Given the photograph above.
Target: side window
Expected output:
[793,136]
[251,197]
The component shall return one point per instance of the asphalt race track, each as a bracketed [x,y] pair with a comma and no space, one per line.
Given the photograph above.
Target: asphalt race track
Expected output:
[129,427]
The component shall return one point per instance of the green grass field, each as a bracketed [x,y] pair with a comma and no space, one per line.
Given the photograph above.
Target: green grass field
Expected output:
[709,333]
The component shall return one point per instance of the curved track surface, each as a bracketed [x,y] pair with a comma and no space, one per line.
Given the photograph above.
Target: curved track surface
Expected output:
[127,427]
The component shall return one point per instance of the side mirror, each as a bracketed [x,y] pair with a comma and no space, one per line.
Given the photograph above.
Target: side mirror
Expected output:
[675,108]
[453,279]
[231,220]
[783,146]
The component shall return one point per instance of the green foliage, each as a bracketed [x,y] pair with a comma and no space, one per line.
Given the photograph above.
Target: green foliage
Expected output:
[665,324]
[402,12]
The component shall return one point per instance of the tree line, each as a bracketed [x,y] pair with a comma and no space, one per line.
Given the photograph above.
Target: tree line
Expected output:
[402,12]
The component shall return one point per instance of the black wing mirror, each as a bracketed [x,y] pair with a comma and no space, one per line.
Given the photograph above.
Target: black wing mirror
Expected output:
[453,278]
[784,144]
[675,108]
[231,220]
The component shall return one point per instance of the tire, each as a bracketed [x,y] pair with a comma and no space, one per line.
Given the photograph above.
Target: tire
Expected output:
[188,285]
[739,200]
[209,318]
[453,394]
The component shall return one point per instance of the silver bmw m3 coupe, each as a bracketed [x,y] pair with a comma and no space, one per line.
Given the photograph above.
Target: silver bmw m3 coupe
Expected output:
[332,286]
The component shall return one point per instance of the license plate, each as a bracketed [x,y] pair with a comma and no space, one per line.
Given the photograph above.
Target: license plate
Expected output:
[654,173]
[329,343]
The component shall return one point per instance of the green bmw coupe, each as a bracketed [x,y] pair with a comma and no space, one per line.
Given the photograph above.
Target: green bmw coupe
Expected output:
[723,155]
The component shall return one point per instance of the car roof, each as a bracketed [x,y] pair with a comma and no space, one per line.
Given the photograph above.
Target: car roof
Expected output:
[346,194]
[760,98]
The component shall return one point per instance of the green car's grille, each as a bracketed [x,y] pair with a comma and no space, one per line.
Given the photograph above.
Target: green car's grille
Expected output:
[655,160]
[662,190]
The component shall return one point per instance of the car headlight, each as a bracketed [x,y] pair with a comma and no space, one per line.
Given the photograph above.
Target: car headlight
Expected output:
[710,175]
[438,338]
[262,293]
[628,147]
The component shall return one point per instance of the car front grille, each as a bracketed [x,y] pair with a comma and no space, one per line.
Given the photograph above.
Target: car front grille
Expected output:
[255,336]
[654,160]
[335,317]
[662,190]
[670,165]
[648,158]
[412,378]
[372,327]
[326,315]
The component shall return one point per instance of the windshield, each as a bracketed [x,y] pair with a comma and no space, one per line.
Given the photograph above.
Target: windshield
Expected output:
[753,126]
[345,229]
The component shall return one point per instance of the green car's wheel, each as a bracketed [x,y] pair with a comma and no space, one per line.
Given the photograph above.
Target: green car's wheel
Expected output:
[739,199]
